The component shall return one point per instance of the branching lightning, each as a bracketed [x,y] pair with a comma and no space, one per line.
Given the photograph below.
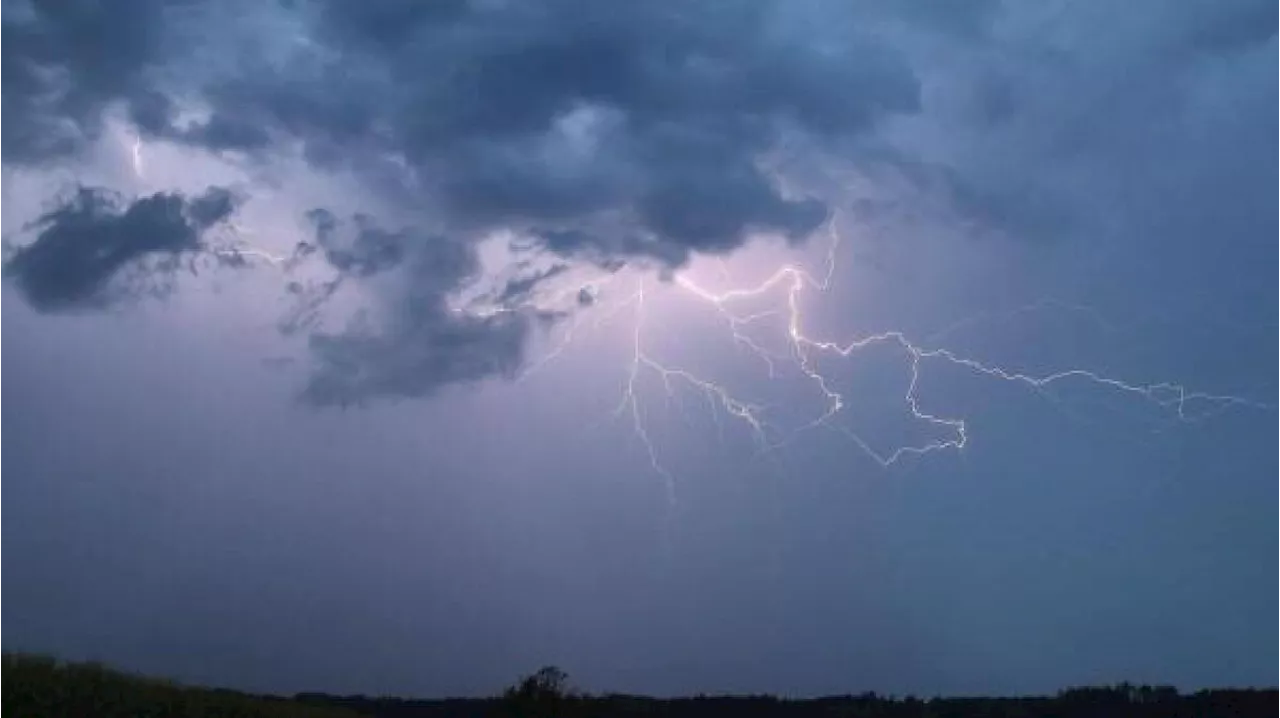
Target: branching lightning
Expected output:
[803,350]
[576,305]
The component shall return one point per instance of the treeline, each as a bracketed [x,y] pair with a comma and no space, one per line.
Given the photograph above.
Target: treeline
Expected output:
[1102,703]
[35,687]
[41,687]
[546,694]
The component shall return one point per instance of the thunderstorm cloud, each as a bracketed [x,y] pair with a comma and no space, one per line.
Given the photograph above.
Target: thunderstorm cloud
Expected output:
[645,116]
[615,132]
[578,121]
[421,343]
[66,63]
[86,243]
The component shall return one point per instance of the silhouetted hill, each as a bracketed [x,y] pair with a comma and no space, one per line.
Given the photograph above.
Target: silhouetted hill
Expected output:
[41,687]
[36,687]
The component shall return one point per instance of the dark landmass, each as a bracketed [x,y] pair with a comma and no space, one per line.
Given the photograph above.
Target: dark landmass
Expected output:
[37,686]
[42,687]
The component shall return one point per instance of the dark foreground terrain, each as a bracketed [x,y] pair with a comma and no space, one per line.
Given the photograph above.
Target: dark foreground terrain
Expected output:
[35,686]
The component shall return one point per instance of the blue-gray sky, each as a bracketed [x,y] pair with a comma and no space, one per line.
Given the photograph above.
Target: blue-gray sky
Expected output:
[393,347]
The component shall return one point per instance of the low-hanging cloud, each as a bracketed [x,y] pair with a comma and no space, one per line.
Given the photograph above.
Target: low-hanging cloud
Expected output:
[66,63]
[84,245]
[615,131]
[649,118]
[418,342]
[575,121]
[604,131]
[1038,131]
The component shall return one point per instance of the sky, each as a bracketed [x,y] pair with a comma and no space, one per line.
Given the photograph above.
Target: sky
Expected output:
[804,347]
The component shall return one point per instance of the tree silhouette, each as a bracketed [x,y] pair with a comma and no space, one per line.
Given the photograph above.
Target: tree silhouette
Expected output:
[541,695]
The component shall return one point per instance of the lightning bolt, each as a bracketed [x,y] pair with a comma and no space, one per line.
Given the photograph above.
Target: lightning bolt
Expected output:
[716,394]
[803,351]
[237,249]
[250,253]
[136,157]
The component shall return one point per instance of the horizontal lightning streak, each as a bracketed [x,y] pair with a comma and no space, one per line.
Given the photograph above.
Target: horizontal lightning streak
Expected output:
[801,353]
[803,349]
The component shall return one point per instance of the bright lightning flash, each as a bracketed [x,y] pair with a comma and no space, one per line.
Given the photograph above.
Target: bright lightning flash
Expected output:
[803,351]
[576,297]
[136,157]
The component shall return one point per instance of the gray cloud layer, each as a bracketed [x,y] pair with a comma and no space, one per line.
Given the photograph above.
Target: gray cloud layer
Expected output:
[65,63]
[88,242]
[622,130]
[652,115]
[579,121]
[644,116]
[418,343]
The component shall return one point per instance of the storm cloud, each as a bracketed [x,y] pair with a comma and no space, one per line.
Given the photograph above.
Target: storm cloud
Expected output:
[65,63]
[86,243]
[1040,129]
[413,342]
[649,118]
[612,131]
[616,132]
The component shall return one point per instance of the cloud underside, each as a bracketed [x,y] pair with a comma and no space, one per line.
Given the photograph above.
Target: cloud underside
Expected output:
[420,342]
[85,247]
[606,131]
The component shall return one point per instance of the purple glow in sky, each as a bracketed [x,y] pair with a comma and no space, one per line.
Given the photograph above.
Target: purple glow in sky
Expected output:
[810,347]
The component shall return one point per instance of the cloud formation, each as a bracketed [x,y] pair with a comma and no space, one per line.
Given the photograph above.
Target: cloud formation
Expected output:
[607,131]
[414,342]
[1064,108]
[65,63]
[615,131]
[83,246]
[649,118]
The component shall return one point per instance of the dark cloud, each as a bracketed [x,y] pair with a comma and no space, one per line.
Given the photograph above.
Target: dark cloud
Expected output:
[64,63]
[84,245]
[518,290]
[428,348]
[969,20]
[615,131]
[212,207]
[417,343]
[610,131]
[644,117]
[1050,127]
[368,251]
[1217,27]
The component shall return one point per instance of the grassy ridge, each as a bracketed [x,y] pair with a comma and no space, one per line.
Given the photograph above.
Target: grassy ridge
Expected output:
[36,686]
